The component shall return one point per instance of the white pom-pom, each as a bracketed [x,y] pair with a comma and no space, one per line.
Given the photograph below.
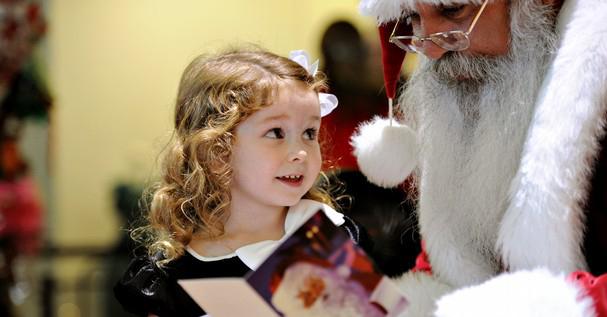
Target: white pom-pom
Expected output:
[386,153]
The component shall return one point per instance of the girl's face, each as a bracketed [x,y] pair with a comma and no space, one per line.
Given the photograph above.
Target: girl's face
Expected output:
[276,155]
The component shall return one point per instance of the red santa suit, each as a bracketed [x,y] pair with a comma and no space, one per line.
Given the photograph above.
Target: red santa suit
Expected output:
[549,236]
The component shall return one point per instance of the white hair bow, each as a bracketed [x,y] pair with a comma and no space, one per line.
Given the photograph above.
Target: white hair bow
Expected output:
[328,102]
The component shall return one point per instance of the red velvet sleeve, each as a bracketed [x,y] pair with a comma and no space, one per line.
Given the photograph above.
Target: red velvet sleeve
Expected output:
[422,264]
[596,288]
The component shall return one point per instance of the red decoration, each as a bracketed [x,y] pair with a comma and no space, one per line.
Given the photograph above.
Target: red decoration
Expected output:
[21,26]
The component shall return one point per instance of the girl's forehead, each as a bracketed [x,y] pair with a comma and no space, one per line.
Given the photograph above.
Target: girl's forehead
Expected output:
[290,102]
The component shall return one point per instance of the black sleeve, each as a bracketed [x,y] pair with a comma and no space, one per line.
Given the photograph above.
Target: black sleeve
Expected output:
[359,235]
[145,288]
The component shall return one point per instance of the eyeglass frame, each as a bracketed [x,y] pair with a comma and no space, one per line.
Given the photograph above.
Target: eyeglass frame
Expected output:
[466,34]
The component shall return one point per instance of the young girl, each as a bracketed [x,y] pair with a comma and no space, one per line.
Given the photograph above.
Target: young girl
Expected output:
[239,176]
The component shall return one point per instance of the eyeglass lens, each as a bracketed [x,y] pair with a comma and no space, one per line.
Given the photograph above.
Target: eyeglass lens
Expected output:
[451,41]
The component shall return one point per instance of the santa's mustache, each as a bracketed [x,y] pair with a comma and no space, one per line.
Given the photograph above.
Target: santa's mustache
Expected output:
[456,67]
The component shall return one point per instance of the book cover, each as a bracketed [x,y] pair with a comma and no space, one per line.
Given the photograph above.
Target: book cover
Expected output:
[317,271]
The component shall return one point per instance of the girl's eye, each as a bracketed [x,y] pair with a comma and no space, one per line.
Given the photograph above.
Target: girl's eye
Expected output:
[311,134]
[275,133]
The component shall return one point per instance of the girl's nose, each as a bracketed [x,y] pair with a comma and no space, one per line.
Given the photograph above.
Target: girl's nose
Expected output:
[298,156]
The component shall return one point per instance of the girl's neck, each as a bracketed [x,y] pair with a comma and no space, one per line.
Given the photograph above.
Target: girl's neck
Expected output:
[244,226]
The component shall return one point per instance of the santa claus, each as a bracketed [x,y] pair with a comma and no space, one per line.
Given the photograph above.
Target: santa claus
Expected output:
[504,124]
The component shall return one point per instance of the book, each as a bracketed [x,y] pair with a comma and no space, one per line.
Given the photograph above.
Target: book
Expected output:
[317,271]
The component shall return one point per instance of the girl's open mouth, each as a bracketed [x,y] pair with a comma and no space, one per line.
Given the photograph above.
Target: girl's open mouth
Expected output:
[293,180]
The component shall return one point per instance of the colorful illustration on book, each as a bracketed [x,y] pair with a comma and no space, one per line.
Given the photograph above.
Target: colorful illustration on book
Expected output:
[319,271]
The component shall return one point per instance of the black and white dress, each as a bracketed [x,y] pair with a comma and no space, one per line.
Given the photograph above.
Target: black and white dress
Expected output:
[146,288]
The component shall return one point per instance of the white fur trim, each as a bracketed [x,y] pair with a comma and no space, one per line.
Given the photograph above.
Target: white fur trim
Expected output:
[390,10]
[386,154]
[422,291]
[521,294]
[543,225]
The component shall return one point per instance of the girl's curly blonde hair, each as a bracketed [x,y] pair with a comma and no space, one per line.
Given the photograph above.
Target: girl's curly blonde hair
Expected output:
[215,94]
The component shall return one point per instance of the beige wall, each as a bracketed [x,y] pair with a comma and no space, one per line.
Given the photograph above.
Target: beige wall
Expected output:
[113,69]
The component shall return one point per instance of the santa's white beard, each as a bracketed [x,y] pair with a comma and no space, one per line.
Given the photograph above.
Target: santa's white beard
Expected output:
[471,136]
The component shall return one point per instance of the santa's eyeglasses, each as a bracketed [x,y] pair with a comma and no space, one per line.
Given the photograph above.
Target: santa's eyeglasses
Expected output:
[451,40]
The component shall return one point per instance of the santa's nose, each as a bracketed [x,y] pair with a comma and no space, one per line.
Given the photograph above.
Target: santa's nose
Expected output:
[432,51]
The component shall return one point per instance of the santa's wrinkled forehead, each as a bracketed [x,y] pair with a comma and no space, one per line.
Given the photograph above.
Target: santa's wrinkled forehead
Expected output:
[390,10]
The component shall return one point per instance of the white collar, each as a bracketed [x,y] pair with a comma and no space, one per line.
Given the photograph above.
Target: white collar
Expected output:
[252,255]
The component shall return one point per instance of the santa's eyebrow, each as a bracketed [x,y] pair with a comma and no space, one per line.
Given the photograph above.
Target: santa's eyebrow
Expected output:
[444,6]
[406,12]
